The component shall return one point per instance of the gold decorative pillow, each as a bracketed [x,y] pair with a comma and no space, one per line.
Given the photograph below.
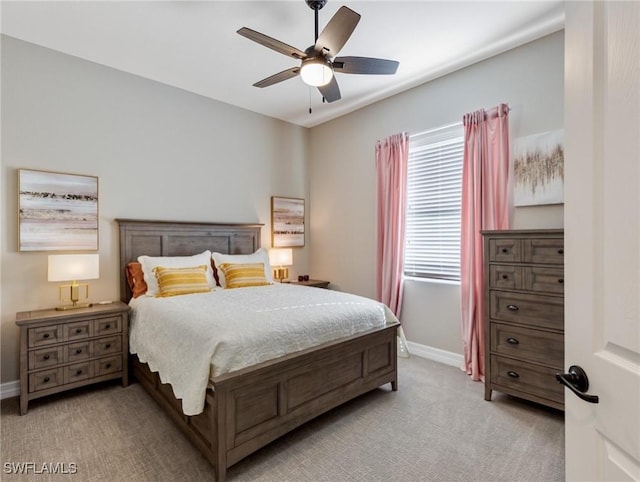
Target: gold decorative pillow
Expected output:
[181,281]
[238,275]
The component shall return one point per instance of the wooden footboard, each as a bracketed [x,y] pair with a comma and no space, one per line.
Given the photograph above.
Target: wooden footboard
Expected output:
[250,408]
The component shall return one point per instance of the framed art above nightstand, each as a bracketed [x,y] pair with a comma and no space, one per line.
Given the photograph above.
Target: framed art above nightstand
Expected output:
[61,350]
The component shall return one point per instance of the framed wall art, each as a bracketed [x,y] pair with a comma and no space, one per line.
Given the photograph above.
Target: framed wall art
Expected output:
[57,211]
[539,169]
[287,222]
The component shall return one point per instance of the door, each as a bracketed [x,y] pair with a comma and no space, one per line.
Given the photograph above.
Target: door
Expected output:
[602,235]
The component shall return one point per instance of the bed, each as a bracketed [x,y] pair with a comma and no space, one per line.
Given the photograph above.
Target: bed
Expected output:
[247,408]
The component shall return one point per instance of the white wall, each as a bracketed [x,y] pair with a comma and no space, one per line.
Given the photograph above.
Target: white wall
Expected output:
[159,153]
[342,172]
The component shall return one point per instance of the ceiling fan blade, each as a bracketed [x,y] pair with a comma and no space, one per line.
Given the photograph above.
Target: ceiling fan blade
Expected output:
[272,43]
[365,65]
[279,77]
[331,91]
[337,31]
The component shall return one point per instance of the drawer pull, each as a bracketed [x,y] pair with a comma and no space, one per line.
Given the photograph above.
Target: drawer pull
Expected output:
[561,251]
[78,351]
[505,250]
[46,379]
[46,335]
[561,280]
[78,372]
[513,341]
[504,276]
[513,374]
[78,330]
[108,365]
[512,307]
[46,357]
[107,326]
[107,346]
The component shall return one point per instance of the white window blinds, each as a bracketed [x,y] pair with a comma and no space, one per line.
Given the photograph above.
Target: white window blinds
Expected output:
[434,192]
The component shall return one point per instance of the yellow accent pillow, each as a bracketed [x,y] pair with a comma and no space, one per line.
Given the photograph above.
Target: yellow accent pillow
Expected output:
[181,281]
[238,275]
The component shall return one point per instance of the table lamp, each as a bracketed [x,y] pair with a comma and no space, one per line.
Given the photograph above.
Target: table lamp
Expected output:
[279,258]
[73,267]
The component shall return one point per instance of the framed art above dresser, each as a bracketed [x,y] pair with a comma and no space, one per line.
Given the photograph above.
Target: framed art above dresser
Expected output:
[524,306]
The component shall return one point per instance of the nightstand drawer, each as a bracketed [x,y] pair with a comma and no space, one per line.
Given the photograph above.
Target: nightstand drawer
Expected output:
[78,351]
[78,372]
[45,379]
[527,378]
[45,335]
[78,330]
[45,357]
[527,309]
[105,346]
[528,344]
[104,366]
[106,326]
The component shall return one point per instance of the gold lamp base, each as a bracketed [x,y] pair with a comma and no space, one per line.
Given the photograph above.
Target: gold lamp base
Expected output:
[71,293]
[280,274]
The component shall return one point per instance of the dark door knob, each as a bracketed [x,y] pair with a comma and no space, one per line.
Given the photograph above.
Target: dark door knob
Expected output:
[576,381]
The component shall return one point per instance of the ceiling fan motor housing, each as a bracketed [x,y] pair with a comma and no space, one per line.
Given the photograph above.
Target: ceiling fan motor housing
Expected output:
[316,4]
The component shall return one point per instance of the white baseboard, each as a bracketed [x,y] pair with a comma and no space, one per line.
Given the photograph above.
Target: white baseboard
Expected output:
[436,354]
[9,389]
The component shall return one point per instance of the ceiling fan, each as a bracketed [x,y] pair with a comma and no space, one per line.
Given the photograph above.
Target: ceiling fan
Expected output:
[319,61]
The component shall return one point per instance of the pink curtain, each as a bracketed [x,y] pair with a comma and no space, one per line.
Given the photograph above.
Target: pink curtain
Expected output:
[485,205]
[392,155]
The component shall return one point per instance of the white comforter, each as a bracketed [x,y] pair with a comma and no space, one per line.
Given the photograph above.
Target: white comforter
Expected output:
[189,338]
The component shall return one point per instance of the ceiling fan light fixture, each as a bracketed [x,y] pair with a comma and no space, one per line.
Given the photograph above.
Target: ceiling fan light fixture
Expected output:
[316,71]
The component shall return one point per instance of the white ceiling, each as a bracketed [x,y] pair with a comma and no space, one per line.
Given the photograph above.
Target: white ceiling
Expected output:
[194,45]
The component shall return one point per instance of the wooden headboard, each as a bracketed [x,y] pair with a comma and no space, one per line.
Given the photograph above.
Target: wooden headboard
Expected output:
[175,238]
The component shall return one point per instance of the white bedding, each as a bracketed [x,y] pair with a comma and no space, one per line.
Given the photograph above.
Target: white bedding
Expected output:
[189,338]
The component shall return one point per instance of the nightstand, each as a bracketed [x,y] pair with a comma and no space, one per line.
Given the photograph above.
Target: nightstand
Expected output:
[316,283]
[61,350]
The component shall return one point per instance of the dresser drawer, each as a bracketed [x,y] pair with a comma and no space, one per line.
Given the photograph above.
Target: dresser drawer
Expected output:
[78,351]
[527,378]
[78,330]
[106,326]
[527,309]
[528,344]
[111,364]
[505,250]
[45,379]
[45,357]
[544,280]
[105,346]
[78,371]
[44,335]
[544,250]
[506,276]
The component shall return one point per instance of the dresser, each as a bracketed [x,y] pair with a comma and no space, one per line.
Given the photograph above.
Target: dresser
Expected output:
[524,323]
[61,350]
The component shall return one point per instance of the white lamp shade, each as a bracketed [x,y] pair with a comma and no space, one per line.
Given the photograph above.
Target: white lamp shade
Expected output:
[73,267]
[281,257]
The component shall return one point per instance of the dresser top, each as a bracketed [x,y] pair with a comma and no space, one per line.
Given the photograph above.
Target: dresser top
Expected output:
[523,232]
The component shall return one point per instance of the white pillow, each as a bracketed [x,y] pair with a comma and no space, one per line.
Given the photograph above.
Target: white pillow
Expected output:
[260,256]
[150,262]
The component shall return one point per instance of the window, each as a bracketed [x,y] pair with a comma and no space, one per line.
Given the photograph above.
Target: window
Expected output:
[434,195]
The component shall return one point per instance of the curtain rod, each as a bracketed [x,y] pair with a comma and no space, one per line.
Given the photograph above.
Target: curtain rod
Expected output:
[448,126]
